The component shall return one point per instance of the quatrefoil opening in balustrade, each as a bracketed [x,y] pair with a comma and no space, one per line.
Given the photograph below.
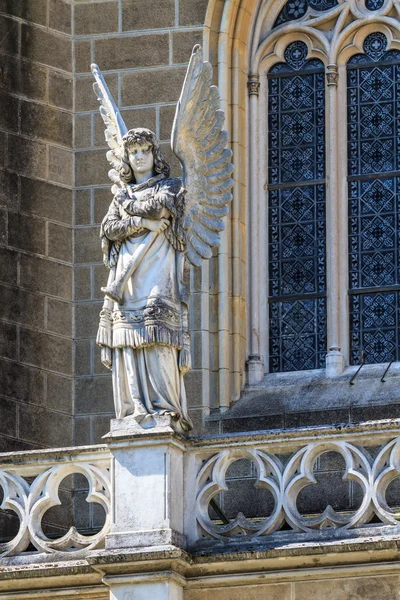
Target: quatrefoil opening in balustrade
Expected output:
[323,465]
[47,509]
[74,513]
[240,495]
[330,496]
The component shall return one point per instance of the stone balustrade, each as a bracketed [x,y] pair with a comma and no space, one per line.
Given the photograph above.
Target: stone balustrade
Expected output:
[165,489]
[31,486]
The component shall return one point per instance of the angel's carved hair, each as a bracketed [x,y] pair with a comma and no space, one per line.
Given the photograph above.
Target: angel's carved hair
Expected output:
[141,136]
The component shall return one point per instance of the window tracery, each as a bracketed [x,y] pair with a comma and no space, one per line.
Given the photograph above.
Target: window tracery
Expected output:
[362,311]
[296,93]
[373,81]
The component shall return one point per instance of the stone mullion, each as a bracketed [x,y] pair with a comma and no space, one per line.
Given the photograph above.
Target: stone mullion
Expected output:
[334,359]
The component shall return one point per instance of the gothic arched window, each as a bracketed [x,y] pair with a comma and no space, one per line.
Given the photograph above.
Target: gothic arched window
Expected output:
[297,275]
[373,84]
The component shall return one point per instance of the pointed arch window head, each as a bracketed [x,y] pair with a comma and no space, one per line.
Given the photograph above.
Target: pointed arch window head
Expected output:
[297,240]
[296,9]
[373,91]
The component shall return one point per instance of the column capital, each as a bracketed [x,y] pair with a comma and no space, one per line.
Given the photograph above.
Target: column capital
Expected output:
[332,74]
[253,84]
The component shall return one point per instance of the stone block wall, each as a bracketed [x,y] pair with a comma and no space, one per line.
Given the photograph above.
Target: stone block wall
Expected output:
[36,224]
[55,191]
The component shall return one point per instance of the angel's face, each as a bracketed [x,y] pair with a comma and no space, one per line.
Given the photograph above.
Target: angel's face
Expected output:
[141,160]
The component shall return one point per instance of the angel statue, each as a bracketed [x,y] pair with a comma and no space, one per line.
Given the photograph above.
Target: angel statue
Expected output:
[154,223]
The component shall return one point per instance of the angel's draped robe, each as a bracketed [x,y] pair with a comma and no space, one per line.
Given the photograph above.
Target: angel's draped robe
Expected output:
[147,332]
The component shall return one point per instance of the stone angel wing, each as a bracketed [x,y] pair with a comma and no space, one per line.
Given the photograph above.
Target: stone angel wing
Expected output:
[199,141]
[115,126]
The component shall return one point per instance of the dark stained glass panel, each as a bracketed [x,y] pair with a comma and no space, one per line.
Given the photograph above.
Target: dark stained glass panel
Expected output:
[373,81]
[374,4]
[297,246]
[296,9]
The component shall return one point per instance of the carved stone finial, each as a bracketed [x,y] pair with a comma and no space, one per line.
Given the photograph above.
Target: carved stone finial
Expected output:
[332,74]
[253,84]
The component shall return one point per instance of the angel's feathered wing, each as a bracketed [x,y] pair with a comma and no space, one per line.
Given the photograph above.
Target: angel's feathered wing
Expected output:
[115,126]
[199,141]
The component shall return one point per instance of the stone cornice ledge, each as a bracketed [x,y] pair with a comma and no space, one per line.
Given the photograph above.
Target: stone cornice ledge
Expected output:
[216,567]
[345,432]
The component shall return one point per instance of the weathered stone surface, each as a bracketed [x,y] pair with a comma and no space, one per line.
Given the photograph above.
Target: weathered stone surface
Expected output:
[85,98]
[46,351]
[59,317]
[21,306]
[46,47]
[46,276]
[147,50]
[192,13]
[82,289]
[87,245]
[318,417]
[96,18]
[26,233]
[60,90]
[167,114]
[149,87]
[82,431]
[83,207]
[83,350]
[364,588]
[82,56]
[91,168]
[83,131]
[3,227]
[182,44]
[8,417]
[252,423]
[60,242]
[135,14]
[47,123]
[24,78]
[193,386]
[9,42]
[60,15]
[8,189]
[60,165]
[101,426]
[21,382]
[8,341]
[8,266]
[88,388]
[102,200]
[44,426]
[87,319]
[253,592]
[29,10]
[27,157]
[46,200]
[59,393]
[9,113]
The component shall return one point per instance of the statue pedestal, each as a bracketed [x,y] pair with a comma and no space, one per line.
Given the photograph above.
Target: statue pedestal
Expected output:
[147,481]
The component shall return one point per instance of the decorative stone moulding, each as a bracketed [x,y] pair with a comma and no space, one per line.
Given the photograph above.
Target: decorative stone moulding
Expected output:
[164,487]
[368,463]
[31,501]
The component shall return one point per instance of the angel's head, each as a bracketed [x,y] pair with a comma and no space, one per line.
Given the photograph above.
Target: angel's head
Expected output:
[142,155]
